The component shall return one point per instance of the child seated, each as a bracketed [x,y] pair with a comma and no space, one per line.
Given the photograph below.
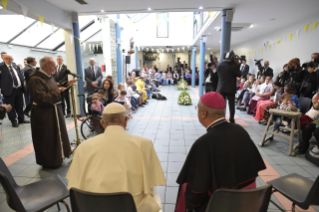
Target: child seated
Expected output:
[312,114]
[122,99]
[287,106]
[240,87]
[96,105]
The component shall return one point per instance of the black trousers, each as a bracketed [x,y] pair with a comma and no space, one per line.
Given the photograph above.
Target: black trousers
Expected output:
[28,107]
[307,132]
[209,87]
[66,98]
[231,103]
[16,101]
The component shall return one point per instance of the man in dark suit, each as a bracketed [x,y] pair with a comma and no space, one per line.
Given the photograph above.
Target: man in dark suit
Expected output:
[61,77]
[184,65]
[169,69]
[12,88]
[227,72]
[27,71]
[244,70]
[2,54]
[93,76]
[267,71]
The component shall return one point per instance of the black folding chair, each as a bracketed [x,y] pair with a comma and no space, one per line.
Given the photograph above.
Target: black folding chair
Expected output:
[37,196]
[299,190]
[82,201]
[229,200]
[305,104]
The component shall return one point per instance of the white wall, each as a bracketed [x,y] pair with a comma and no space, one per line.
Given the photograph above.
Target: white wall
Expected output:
[180,34]
[280,54]
[20,53]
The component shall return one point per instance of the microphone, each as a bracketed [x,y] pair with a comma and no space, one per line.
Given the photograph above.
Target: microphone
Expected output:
[74,75]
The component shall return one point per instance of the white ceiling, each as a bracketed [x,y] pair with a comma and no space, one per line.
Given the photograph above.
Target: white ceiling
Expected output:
[257,12]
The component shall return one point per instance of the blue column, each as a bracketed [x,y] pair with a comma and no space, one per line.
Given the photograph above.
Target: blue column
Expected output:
[225,35]
[118,52]
[136,58]
[202,65]
[193,66]
[79,69]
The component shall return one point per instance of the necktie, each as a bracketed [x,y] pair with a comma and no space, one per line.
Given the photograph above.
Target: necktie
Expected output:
[242,69]
[93,73]
[59,69]
[15,80]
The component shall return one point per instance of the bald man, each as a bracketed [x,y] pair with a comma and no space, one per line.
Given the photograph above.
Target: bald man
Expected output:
[12,89]
[49,133]
[267,71]
[93,76]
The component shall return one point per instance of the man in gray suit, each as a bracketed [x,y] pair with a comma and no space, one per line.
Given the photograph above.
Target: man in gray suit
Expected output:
[93,76]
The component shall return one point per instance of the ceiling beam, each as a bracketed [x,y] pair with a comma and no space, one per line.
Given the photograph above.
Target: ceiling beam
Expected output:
[81,30]
[46,38]
[20,33]
[91,36]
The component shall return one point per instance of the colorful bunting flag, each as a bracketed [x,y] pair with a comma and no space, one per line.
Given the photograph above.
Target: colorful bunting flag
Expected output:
[24,10]
[290,36]
[41,19]
[184,18]
[261,50]
[211,14]
[79,41]
[157,21]
[315,24]
[4,3]
[278,42]
[269,46]
[255,52]
[248,53]
[90,47]
[298,32]
[306,27]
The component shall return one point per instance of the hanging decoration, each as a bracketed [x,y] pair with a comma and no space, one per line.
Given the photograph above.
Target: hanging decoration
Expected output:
[184,18]
[132,22]
[314,25]
[290,37]
[84,45]
[24,10]
[306,27]
[261,50]
[298,32]
[41,19]
[97,47]
[79,41]
[157,21]
[278,42]
[90,47]
[255,52]
[4,3]
[52,28]
[211,15]
[269,46]
[248,53]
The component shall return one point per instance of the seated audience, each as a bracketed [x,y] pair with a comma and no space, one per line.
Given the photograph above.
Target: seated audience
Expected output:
[116,161]
[264,92]
[182,75]
[135,97]
[164,78]
[248,95]
[188,76]
[208,166]
[175,77]
[123,100]
[308,124]
[309,84]
[264,112]
[169,79]
[158,76]
[96,105]
[140,85]
[107,92]
[240,87]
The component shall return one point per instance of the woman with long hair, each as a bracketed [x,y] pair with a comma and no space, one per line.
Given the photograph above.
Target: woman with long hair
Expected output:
[107,92]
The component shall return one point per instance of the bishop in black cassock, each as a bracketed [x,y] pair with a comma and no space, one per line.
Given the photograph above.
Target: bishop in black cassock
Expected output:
[225,157]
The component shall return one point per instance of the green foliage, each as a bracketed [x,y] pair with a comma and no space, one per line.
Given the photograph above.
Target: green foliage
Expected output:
[184,98]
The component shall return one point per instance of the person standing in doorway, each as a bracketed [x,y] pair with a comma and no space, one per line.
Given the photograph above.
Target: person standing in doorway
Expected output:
[93,76]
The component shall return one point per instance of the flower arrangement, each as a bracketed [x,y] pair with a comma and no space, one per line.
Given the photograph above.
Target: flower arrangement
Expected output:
[182,85]
[184,98]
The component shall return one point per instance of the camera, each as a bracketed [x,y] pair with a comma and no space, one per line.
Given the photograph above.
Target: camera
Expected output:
[231,57]
[291,68]
[258,62]
[304,66]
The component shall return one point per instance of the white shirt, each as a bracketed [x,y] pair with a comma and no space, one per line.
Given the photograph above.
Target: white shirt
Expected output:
[16,74]
[208,78]
[130,92]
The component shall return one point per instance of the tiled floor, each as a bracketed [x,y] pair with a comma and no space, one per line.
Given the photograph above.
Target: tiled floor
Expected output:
[173,129]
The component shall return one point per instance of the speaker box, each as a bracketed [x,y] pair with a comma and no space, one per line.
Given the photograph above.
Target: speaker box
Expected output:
[128,59]
[229,15]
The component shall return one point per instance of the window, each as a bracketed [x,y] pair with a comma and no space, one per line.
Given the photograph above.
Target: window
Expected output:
[53,41]
[94,28]
[11,25]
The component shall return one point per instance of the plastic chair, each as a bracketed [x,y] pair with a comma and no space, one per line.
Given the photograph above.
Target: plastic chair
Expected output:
[295,118]
[82,201]
[251,200]
[37,196]
[305,104]
[299,190]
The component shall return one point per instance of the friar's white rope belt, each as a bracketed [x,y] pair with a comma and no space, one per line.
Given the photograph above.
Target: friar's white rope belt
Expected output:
[58,122]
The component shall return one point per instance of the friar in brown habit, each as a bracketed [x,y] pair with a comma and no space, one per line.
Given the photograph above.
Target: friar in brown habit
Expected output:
[49,134]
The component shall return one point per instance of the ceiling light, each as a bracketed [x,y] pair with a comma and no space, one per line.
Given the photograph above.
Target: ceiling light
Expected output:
[102,11]
[200,8]
[149,9]
[251,26]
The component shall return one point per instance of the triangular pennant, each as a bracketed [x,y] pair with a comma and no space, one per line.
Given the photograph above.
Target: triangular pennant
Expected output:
[261,50]
[255,52]
[79,41]
[269,46]
[4,3]
[157,21]
[120,48]
[306,27]
[132,22]
[167,57]
[297,33]
[41,19]
[248,53]
[184,18]
[211,14]
[52,28]
[90,47]
[84,46]
[278,42]
[315,24]
[290,36]
[24,10]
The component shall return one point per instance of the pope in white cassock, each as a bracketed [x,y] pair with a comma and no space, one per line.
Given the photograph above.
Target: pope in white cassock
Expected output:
[118,162]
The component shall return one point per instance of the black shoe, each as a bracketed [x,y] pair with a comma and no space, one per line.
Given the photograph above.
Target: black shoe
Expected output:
[141,105]
[243,109]
[146,102]
[24,121]
[68,115]
[238,107]
[26,114]
[15,124]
